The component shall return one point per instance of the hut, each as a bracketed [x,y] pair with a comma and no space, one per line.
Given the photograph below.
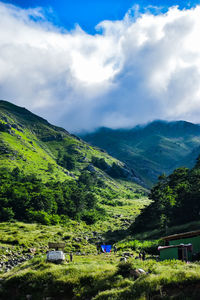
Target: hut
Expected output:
[183,246]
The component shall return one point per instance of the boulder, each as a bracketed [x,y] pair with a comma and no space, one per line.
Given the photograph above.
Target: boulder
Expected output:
[136,273]
[123,259]
[55,256]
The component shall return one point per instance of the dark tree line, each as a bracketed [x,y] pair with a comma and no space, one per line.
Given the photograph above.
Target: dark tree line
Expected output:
[27,198]
[176,200]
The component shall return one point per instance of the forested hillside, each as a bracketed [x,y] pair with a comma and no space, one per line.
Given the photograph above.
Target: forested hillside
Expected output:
[48,175]
[176,200]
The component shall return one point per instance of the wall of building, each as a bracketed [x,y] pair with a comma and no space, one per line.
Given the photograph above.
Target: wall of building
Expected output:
[169,253]
[195,241]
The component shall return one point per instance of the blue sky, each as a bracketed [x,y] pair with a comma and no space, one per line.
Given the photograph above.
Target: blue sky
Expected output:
[88,13]
[137,67]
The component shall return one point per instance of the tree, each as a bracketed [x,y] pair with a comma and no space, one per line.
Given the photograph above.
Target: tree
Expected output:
[6,214]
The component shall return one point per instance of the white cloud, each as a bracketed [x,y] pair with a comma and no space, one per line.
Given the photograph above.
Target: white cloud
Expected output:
[141,68]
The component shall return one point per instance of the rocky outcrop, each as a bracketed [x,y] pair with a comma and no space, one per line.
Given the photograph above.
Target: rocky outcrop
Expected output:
[58,137]
[13,259]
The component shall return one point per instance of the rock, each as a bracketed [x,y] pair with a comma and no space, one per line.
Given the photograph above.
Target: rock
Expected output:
[16,127]
[72,175]
[8,126]
[102,150]
[91,168]
[123,259]
[77,240]
[137,273]
[4,119]
[82,160]
[28,297]
[67,172]
[127,254]
[57,137]
[32,250]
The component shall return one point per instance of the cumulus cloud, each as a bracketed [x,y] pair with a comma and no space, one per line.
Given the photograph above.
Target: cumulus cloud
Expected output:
[131,71]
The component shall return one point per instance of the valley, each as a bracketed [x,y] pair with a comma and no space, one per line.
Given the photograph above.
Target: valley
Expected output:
[55,187]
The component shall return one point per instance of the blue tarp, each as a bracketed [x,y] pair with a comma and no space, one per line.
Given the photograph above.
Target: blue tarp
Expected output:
[106,248]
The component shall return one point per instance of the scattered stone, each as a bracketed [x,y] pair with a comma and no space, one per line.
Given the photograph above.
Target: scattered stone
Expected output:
[127,254]
[91,168]
[123,259]
[32,250]
[78,240]
[137,273]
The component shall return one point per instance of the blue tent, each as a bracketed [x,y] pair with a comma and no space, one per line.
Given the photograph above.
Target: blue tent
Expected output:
[106,248]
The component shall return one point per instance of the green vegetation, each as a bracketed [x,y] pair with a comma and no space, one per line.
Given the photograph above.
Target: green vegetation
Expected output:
[151,150]
[175,200]
[90,275]
[51,153]
[48,175]
[102,277]
[56,188]
[148,246]
[27,198]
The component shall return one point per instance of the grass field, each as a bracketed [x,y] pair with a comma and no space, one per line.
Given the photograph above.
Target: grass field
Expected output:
[90,275]
[101,277]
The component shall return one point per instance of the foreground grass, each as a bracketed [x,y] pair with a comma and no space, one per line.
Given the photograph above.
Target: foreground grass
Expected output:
[90,276]
[101,277]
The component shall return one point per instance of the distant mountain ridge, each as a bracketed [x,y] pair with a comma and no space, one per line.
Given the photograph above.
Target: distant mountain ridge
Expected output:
[156,148]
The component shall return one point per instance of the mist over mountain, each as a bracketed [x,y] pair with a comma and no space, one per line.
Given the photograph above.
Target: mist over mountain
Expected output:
[156,148]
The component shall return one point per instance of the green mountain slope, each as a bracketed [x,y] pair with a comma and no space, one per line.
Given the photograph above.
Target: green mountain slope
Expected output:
[175,201]
[156,148]
[43,164]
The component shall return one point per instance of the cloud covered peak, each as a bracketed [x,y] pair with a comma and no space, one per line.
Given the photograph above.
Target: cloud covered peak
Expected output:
[131,71]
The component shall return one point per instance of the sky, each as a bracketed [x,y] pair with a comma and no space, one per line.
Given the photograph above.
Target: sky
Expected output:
[87,64]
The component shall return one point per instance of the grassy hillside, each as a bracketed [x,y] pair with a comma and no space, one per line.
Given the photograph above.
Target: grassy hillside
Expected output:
[44,162]
[156,148]
[32,144]
[100,278]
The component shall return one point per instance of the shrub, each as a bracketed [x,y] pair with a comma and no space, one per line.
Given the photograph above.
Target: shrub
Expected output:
[6,214]
[90,217]
[39,216]
[124,269]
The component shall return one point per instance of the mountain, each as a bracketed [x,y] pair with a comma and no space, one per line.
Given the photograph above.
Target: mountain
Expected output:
[159,147]
[48,175]
[83,197]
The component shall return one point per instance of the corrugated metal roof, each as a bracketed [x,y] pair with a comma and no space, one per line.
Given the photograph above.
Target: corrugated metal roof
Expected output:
[181,235]
[174,246]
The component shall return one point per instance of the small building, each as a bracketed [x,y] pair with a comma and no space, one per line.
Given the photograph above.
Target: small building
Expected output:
[183,246]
